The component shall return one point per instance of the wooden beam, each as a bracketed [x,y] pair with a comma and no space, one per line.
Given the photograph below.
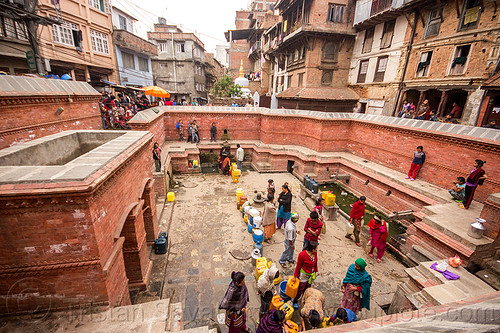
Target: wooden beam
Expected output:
[458,9]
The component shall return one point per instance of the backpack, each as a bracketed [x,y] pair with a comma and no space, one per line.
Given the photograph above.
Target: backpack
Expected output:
[178,125]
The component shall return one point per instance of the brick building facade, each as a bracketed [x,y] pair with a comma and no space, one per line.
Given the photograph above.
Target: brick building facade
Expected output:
[310,52]
[454,49]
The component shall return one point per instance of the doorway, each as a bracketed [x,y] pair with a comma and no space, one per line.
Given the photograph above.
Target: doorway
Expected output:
[289,166]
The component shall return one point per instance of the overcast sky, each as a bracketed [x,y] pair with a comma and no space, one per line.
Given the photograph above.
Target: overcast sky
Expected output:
[208,18]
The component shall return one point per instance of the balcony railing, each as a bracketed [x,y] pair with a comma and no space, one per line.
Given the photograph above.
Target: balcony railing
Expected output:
[255,47]
[379,6]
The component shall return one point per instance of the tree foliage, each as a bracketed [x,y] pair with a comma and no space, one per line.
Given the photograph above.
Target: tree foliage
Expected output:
[226,87]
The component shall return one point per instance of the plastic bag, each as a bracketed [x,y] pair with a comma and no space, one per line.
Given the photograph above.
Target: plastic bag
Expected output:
[455,261]
[349,228]
[442,266]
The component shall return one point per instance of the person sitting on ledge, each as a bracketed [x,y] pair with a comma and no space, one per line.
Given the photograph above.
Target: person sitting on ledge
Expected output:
[458,192]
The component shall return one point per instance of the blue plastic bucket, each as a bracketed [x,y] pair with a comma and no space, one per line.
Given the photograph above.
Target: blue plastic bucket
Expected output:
[283,295]
[250,227]
[258,235]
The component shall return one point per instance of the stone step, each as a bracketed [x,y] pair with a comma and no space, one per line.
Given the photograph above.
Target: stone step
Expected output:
[420,300]
[429,254]
[458,231]
[490,278]
[447,245]
[444,294]
[420,279]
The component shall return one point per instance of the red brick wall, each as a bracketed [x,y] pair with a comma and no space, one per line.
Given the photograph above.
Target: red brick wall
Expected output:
[448,156]
[25,119]
[59,243]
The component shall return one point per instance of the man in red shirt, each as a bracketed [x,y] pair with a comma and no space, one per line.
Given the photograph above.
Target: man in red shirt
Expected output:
[455,113]
[312,228]
[357,213]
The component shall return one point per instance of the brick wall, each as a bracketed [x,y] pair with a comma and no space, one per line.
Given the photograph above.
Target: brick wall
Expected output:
[29,118]
[61,241]
[448,156]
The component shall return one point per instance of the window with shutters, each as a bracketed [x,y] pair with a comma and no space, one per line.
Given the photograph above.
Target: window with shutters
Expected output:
[326,78]
[424,64]
[387,34]
[301,80]
[128,60]
[380,70]
[179,47]
[368,42]
[471,11]
[330,52]
[289,82]
[433,23]
[99,41]
[12,29]
[336,13]
[459,60]
[66,33]
[363,69]
[123,22]
[143,64]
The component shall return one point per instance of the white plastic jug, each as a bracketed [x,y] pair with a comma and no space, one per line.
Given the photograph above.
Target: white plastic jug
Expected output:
[253,212]
[257,221]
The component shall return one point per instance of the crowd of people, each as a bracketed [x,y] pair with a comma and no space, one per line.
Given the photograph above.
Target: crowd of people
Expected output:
[355,286]
[426,112]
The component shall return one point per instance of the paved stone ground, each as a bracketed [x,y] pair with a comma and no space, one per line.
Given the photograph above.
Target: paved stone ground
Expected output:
[205,225]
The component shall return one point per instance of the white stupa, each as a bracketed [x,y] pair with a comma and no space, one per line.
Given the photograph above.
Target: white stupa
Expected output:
[243,82]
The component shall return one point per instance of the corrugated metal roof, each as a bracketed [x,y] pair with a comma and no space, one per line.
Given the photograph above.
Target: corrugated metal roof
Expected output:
[30,86]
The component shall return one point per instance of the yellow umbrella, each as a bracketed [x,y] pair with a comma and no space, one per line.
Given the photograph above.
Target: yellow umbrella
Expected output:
[156,91]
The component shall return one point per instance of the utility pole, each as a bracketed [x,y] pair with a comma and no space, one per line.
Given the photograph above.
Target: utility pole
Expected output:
[31,26]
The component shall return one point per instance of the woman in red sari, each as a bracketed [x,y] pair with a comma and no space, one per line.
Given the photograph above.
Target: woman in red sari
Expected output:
[306,269]
[378,236]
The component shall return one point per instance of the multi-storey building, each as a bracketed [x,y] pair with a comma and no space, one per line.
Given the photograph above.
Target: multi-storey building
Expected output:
[376,66]
[81,45]
[453,48]
[221,54]
[133,54]
[14,44]
[309,53]
[179,67]
[214,70]
[245,43]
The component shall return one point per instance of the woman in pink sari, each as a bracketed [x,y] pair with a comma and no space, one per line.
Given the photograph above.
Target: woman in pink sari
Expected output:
[378,236]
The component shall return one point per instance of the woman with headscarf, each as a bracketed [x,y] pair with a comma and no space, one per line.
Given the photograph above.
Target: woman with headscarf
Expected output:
[269,217]
[306,269]
[356,287]
[476,177]
[285,206]
[272,322]
[234,302]
[378,236]
[265,287]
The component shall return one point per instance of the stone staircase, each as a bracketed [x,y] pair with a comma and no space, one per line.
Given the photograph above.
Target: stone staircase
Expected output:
[427,287]
[442,233]
[491,272]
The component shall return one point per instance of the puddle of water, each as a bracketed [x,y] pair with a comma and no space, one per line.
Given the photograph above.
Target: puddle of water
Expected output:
[346,201]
